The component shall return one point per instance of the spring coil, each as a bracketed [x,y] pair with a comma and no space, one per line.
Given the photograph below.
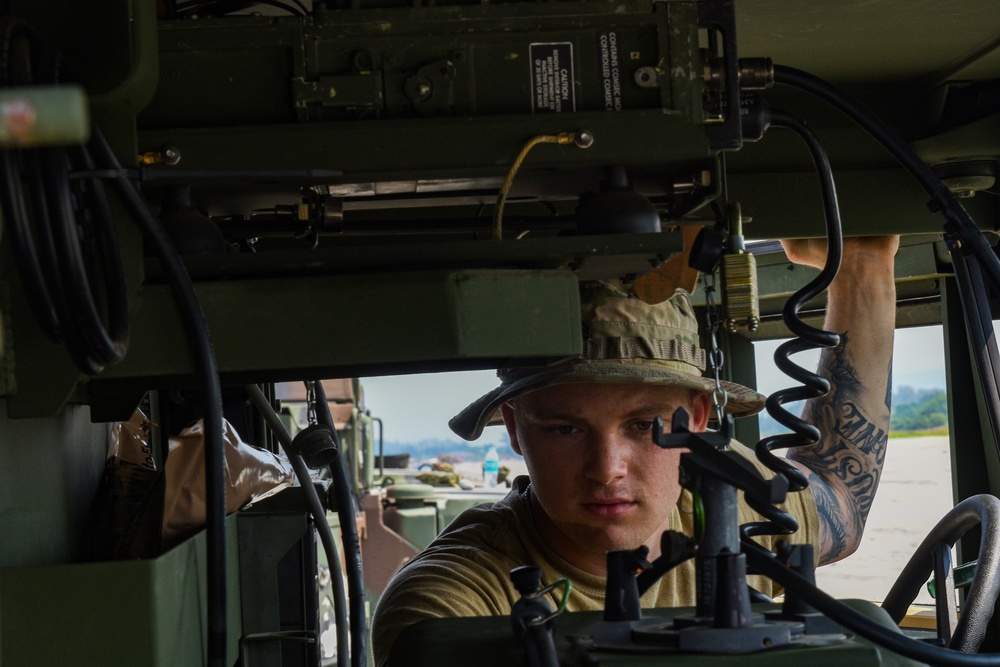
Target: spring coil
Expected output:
[778,521]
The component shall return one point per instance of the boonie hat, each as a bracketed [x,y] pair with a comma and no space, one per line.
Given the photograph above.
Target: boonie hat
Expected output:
[626,341]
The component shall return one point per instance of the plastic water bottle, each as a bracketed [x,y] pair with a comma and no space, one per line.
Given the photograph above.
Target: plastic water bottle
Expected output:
[491,467]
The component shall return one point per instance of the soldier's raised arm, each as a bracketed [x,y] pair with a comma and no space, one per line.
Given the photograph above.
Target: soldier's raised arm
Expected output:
[844,467]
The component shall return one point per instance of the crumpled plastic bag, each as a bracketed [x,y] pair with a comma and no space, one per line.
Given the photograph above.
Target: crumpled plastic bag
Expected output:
[125,522]
[141,511]
[251,474]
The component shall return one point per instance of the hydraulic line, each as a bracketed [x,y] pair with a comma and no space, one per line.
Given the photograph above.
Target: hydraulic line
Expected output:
[803,433]
[204,361]
[348,535]
[319,517]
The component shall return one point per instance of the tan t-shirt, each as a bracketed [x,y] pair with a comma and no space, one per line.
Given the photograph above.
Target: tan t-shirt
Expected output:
[466,570]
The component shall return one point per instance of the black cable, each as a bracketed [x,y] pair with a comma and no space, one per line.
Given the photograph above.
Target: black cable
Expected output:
[979,325]
[813,385]
[958,219]
[204,361]
[764,562]
[265,410]
[348,535]
[73,232]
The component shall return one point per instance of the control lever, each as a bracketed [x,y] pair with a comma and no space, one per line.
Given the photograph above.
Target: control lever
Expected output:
[801,559]
[532,617]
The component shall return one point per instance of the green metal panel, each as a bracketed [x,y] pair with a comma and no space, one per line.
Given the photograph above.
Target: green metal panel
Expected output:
[144,612]
[118,68]
[493,643]
[391,62]
[370,323]
[264,538]
[872,201]
[49,471]
[388,149]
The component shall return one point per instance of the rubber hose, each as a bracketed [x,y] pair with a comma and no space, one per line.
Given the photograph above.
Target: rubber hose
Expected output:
[203,356]
[319,516]
[348,535]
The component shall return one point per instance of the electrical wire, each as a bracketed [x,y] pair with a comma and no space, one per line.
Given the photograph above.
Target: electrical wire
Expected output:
[203,357]
[348,535]
[318,512]
[803,433]
[974,297]
[583,139]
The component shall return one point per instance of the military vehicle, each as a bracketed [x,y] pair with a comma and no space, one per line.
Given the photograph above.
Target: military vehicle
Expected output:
[202,198]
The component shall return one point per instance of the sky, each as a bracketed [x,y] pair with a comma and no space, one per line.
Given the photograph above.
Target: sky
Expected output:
[418,407]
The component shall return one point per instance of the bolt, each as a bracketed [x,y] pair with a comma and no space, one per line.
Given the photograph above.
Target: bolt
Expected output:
[583,138]
[423,90]
[171,155]
[645,77]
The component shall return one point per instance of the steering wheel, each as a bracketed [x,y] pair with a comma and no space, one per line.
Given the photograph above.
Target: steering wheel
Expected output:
[983,510]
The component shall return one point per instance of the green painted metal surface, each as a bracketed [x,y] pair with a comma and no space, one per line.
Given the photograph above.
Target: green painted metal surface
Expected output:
[341,92]
[145,612]
[411,320]
[492,642]
[49,472]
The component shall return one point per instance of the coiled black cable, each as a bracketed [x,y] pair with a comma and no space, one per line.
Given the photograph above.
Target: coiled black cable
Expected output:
[959,224]
[348,535]
[803,433]
[65,243]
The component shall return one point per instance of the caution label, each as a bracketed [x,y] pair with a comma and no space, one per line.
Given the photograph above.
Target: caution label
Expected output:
[552,77]
[611,73]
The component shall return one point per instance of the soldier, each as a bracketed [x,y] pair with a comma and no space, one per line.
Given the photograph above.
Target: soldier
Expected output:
[598,483]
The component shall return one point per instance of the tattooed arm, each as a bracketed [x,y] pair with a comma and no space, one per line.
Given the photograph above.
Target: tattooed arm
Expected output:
[844,467]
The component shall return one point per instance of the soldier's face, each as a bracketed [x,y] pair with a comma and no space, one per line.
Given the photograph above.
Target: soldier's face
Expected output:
[600,482]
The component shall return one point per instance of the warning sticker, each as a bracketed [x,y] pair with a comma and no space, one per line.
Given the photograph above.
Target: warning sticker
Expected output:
[611,73]
[552,77]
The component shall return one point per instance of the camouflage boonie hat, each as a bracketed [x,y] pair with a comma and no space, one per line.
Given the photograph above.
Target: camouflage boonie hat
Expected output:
[625,340]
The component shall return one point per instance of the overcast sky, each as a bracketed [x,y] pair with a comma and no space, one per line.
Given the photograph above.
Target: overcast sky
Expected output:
[417,407]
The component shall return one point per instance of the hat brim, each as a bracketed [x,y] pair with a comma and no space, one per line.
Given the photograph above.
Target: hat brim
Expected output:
[485,411]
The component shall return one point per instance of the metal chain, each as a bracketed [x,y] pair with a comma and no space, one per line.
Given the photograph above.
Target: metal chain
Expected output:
[310,403]
[715,357]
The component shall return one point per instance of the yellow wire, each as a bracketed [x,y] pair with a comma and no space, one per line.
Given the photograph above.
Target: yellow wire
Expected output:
[561,138]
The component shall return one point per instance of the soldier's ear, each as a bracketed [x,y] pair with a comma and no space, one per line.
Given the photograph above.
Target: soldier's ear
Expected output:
[510,423]
[701,408]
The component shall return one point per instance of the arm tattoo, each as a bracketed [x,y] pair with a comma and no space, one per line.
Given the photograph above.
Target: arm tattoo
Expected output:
[834,540]
[846,463]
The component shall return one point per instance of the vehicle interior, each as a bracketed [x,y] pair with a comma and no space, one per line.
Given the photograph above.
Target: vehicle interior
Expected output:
[204,201]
